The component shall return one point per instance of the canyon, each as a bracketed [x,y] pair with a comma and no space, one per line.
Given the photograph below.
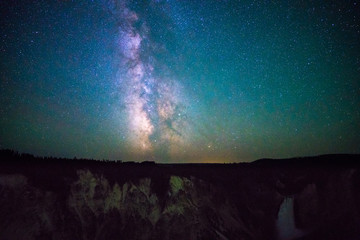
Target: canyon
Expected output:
[300,198]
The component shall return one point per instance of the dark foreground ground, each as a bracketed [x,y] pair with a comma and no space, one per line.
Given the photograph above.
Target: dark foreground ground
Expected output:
[46,198]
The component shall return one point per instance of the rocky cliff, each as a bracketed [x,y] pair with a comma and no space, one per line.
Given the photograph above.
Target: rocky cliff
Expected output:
[89,201]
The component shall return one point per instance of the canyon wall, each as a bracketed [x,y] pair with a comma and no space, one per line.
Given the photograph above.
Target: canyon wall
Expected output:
[151,201]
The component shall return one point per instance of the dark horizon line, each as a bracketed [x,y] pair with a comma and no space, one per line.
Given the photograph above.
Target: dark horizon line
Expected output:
[10,153]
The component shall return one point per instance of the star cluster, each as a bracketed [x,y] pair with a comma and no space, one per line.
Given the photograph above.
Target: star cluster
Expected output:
[180,81]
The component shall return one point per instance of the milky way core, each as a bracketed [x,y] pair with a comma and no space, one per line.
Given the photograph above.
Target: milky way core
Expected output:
[154,106]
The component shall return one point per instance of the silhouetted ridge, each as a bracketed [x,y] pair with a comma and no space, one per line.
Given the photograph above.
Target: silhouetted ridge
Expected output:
[321,160]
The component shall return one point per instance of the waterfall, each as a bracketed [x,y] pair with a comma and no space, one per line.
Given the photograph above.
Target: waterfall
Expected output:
[286,221]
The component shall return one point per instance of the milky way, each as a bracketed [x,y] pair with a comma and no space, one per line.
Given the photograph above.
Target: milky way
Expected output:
[180,81]
[154,104]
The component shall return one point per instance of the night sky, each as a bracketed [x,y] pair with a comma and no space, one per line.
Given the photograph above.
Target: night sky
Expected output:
[180,81]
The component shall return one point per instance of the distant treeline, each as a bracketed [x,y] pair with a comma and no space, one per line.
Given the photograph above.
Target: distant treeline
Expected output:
[11,155]
[8,155]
